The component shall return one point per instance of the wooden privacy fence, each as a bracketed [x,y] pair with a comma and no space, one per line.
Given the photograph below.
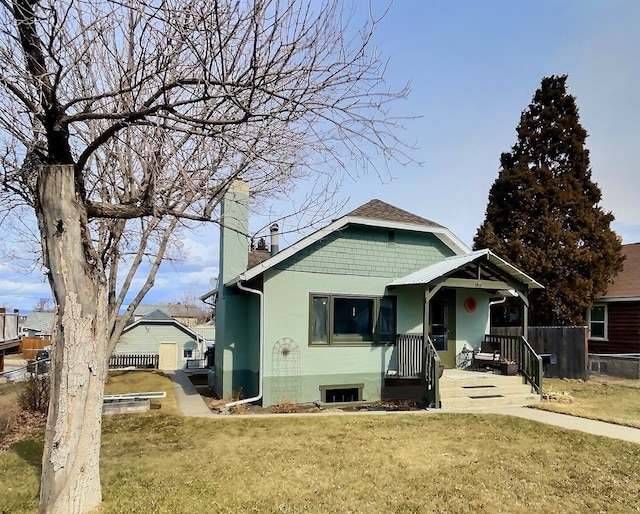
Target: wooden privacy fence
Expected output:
[140,360]
[569,344]
[29,346]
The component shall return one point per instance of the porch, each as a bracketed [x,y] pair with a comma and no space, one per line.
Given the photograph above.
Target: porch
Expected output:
[472,385]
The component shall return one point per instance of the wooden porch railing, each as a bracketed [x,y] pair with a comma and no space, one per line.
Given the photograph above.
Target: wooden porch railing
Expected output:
[518,349]
[409,355]
[412,359]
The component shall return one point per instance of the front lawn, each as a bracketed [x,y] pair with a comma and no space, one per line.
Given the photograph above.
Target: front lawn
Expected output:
[159,462]
[616,400]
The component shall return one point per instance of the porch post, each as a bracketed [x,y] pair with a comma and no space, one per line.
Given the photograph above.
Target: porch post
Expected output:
[425,333]
[428,294]
[525,316]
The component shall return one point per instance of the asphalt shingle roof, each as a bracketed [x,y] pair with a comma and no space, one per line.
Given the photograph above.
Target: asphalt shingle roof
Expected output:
[379,210]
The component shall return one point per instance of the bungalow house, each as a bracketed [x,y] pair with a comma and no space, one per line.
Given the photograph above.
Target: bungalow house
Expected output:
[614,319]
[378,295]
[159,338]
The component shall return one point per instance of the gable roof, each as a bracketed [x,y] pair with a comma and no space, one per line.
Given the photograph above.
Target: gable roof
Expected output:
[176,310]
[451,264]
[626,285]
[379,210]
[375,213]
[158,317]
[256,257]
[41,321]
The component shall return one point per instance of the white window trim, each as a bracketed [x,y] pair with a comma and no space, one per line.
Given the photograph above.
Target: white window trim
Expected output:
[606,322]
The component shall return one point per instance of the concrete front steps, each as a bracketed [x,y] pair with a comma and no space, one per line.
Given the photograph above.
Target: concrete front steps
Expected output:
[463,390]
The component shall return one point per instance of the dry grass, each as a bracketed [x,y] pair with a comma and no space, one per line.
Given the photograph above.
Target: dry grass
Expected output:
[611,399]
[15,423]
[121,382]
[372,463]
[9,407]
[402,463]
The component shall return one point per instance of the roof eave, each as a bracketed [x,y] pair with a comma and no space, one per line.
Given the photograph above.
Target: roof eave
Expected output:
[442,233]
[471,257]
[616,299]
[175,322]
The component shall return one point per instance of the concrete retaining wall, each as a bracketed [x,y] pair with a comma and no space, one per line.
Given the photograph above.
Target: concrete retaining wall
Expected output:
[615,365]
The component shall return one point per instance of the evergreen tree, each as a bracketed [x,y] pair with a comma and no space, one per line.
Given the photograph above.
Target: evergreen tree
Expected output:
[262,244]
[544,215]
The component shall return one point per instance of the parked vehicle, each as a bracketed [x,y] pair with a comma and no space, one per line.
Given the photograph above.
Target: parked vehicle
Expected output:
[41,364]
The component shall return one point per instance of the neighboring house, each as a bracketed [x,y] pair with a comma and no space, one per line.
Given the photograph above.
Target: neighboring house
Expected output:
[38,324]
[187,314]
[329,318]
[614,319]
[159,334]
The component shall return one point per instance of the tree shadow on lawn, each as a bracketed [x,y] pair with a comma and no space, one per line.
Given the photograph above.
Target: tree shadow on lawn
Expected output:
[30,451]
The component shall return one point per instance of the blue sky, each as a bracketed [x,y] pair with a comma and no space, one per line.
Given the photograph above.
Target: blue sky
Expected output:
[474,67]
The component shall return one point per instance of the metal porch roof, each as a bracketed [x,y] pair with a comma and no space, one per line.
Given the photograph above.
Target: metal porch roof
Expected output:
[432,273]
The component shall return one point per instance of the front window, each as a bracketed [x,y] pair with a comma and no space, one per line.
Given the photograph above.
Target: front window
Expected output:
[352,319]
[598,322]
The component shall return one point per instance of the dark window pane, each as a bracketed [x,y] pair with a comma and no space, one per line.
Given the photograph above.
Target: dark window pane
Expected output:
[386,319]
[597,330]
[319,319]
[353,319]
[597,313]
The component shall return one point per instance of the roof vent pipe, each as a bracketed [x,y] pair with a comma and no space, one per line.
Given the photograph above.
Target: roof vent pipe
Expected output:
[275,246]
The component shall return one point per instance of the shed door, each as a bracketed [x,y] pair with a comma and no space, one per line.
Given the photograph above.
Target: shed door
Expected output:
[168,356]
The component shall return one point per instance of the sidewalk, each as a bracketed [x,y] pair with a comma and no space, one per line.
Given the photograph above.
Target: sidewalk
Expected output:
[589,426]
[191,404]
[188,399]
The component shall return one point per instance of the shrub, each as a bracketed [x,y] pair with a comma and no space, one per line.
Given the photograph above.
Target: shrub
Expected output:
[35,395]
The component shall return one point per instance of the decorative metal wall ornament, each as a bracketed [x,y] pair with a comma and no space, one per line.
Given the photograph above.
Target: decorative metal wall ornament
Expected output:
[285,361]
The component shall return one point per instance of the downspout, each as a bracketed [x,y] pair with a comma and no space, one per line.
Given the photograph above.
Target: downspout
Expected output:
[261,343]
[497,302]
[492,303]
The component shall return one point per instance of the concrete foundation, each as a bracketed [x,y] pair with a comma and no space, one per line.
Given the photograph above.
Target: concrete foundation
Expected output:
[615,365]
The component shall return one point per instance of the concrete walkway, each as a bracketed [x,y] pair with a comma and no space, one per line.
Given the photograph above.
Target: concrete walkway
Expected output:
[589,426]
[192,405]
[189,401]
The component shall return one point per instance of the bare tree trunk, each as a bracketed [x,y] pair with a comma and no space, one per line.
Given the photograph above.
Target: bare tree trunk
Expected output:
[70,465]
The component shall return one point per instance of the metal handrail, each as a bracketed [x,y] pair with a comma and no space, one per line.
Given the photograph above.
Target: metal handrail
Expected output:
[518,349]
[432,374]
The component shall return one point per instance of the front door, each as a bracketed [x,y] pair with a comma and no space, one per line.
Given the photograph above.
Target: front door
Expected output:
[442,317]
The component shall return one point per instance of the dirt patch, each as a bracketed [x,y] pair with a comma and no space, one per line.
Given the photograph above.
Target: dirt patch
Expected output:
[15,424]
[219,406]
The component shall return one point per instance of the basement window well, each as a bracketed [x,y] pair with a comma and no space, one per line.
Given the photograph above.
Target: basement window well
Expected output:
[341,393]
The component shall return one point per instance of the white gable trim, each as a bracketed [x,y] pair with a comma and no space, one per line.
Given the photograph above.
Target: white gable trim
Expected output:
[443,234]
[175,322]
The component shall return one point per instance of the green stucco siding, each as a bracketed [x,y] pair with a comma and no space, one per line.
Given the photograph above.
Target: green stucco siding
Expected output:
[471,326]
[237,344]
[296,374]
[367,251]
